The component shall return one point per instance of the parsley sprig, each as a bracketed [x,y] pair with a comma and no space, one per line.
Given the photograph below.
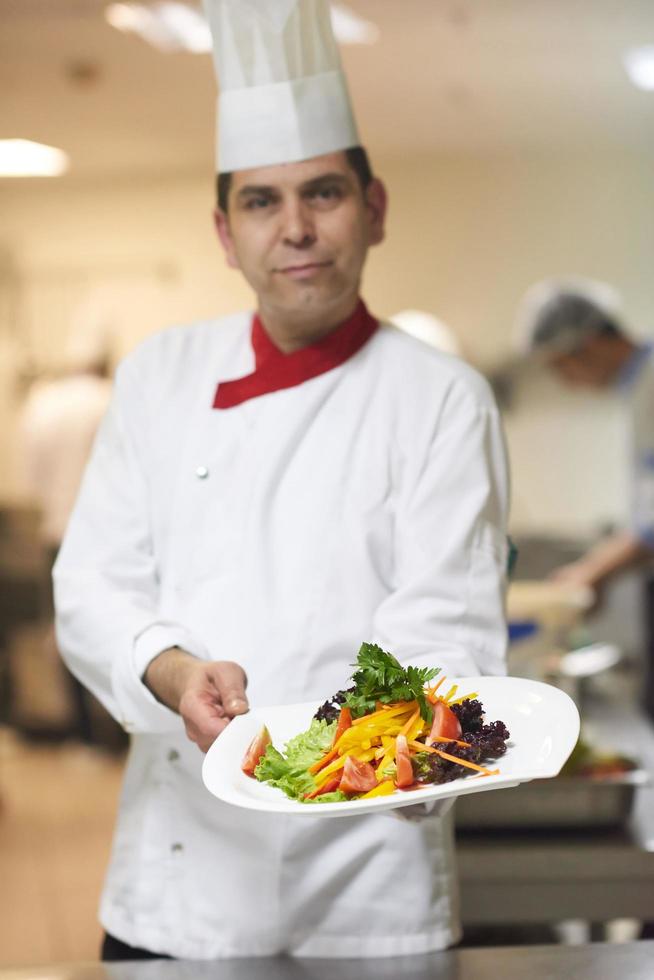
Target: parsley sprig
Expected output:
[380,677]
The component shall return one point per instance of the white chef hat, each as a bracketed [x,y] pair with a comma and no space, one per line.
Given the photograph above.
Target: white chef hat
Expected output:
[282,92]
[429,329]
[557,315]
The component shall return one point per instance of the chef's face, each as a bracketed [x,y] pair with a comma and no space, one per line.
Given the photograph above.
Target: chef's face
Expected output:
[593,365]
[299,233]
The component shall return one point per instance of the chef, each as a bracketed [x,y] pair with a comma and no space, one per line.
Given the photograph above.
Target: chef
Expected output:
[575,327]
[267,491]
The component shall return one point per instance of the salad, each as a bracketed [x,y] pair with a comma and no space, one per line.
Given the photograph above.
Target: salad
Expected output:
[396,728]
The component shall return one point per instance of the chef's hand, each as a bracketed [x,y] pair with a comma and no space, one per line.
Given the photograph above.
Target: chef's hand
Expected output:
[580,574]
[207,694]
[575,573]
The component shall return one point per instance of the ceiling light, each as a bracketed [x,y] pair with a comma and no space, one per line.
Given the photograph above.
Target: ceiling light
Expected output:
[349,28]
[639,65]
[172,26]
[23,158]
[167,25]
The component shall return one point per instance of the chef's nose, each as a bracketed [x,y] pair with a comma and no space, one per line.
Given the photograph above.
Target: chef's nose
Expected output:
[298,224]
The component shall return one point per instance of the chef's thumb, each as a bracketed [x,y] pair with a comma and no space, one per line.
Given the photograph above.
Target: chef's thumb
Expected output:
[231,681]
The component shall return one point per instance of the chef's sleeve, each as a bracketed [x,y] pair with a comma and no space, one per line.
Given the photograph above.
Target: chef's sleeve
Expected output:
[106,578]
[447,604]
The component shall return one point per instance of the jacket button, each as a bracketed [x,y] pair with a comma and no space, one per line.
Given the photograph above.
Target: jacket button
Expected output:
[173,755]
[202,472]
[175,848]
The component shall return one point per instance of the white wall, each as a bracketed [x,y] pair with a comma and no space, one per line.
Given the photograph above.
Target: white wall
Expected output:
[465,238]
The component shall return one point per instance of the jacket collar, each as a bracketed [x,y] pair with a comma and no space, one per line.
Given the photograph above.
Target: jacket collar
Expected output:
[275,370]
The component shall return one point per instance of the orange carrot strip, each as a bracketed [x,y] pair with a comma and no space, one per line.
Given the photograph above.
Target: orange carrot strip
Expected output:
[431,691]
[422,747]
[466,745]
[321,763]
[468,765]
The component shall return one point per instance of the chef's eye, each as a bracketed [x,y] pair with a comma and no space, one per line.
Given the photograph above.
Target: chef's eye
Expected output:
[326,194]
[257,203]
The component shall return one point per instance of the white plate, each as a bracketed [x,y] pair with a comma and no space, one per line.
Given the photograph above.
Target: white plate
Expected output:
[543,722]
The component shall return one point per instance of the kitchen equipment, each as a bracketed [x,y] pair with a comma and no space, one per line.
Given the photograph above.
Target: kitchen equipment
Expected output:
[555,606]
[566,802]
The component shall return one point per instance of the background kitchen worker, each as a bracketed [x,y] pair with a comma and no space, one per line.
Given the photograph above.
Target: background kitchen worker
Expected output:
[57,426]
[575,328]
[265,493]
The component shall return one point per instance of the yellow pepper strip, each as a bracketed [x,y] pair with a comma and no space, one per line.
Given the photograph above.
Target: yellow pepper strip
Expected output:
[464,697]
[324,775]
[388,709]
[450,694]
[387,747]
[381,789]
[410,723]
[356,736]
[416,729]
[333,767]
[385,763]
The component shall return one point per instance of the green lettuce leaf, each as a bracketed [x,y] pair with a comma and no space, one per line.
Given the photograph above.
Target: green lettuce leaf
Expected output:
[335,797]
[289,772]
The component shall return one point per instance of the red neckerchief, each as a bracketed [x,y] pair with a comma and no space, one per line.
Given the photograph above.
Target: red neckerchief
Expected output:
[275,370]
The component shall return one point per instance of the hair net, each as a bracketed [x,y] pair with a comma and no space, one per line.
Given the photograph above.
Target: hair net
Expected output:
[556,316]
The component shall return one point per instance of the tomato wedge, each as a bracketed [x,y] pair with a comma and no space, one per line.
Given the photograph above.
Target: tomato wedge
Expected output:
[255,750]
[358,777]
[446,725]
[404,776]
[344,722]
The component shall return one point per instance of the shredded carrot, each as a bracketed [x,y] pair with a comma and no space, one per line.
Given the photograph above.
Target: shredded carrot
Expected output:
[321,763]
[423,747]
[468,765]
[327,772]
[431,691]
[455,740]
[419,747]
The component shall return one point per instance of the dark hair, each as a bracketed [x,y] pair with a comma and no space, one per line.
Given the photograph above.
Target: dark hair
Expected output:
[574,317]
[356,157]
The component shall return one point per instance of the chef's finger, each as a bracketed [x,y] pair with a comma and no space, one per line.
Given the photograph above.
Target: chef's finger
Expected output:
[204,739]
[230,681]
[203,720]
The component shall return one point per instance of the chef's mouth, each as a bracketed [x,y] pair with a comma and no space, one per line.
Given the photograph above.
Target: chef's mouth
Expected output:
[300,269]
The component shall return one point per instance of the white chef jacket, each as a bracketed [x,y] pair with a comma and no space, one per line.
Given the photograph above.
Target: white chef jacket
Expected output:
[366,504]
[636,385]
[58,425]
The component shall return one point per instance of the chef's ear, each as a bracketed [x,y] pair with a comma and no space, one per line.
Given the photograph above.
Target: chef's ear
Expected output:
[221,221]
[376,205]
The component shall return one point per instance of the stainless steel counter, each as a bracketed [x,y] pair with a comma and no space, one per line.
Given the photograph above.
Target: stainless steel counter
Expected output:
[597,961]
[546,877]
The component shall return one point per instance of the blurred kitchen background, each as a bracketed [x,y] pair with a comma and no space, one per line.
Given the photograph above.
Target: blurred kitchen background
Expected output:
[516,146]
